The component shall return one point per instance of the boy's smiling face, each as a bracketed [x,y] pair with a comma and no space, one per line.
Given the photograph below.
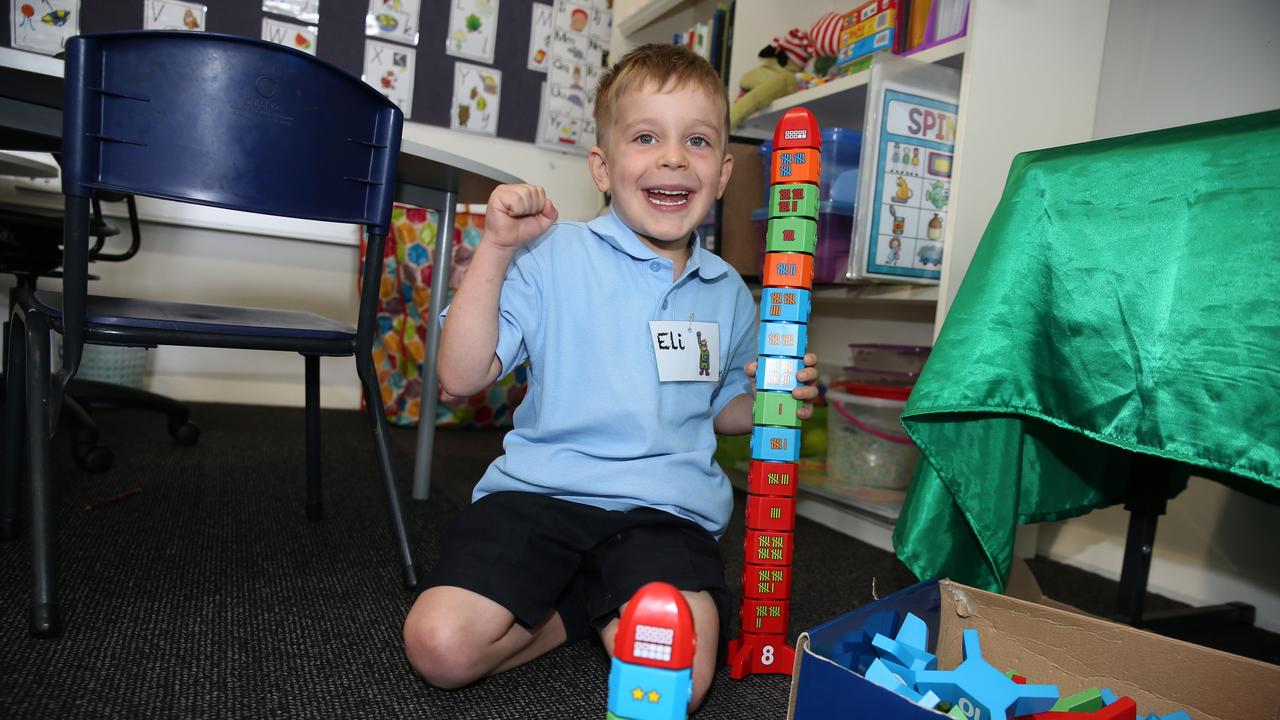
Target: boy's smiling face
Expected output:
[664,162]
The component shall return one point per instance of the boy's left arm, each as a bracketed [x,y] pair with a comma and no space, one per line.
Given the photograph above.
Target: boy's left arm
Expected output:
[738,416]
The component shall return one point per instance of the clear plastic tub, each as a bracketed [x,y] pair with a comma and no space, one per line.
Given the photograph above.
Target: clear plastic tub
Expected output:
[835,230]
[841,153]
[866,446]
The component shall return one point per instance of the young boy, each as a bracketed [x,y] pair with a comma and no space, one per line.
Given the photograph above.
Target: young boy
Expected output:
[641,347]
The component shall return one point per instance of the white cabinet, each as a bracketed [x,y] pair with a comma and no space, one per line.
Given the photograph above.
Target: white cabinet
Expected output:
[1029,79]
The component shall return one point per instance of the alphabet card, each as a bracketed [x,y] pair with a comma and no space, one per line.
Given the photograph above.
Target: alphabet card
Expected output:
[298,37]
[43,26]
[540,36]
[573,69]
[308,11]
[473,29]
[389,69]
[477,91]
[393,20]
[172,15]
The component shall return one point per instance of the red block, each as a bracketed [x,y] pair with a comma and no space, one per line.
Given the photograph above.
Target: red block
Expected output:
[754,654]
[766,512]
[656,629]
[788,270]
[798,128]
[1123,709]
[765,617]
[768,547]
[772,478]
[767,582]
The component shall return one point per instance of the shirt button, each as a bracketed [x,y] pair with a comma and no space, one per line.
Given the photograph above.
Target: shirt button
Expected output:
[655,266]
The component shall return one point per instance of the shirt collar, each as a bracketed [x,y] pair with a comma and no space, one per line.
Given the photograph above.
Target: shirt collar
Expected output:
[610,228]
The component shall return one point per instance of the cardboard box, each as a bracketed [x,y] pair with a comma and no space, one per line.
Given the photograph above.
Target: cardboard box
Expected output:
[1047,645]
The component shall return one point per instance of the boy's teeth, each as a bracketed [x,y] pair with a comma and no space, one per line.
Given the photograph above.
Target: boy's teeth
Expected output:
[668,197]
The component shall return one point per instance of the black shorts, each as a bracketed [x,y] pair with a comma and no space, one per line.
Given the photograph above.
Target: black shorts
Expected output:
[533,554]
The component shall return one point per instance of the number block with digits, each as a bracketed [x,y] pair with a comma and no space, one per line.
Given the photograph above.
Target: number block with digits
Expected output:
[775,440]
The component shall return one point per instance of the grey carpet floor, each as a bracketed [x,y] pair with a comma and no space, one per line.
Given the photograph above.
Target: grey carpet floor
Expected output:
[209,594]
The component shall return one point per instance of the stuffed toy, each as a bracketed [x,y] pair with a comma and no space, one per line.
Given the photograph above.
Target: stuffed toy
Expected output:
[780,61]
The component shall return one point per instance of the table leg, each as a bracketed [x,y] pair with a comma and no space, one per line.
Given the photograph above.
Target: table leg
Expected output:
[439,288]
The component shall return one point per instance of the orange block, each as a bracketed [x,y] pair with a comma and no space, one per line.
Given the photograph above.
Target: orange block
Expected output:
[788,270]
[795,165]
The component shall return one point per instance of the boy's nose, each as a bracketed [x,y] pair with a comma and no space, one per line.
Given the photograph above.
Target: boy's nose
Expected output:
[673,156]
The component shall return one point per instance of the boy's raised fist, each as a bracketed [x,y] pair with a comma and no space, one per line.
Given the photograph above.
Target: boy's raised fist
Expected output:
[518,214]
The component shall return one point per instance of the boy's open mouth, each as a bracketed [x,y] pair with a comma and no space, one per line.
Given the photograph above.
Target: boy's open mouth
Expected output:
[668,197]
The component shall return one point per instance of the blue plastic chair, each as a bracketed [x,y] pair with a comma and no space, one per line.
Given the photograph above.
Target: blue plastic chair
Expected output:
[215,120]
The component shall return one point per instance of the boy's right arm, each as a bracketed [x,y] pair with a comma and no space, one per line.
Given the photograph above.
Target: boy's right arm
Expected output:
[517,215]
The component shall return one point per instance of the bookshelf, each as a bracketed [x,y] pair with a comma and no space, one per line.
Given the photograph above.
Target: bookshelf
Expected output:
[1029,79]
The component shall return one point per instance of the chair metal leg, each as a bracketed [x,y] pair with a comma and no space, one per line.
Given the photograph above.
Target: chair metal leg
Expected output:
[315,500]
[14,435]
[382,444]
[46,620]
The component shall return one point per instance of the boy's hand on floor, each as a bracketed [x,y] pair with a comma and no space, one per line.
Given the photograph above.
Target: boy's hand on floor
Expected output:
[806,391]
[517,214]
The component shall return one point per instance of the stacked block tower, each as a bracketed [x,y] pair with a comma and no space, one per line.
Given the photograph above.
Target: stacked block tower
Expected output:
[651,677]
[775,440]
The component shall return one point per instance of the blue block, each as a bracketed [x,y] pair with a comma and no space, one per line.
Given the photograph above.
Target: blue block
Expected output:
[776,444]
[640,692]
[914,632]
[785,304]
[976,686]
[777,373]
[1108,696]
[784,339]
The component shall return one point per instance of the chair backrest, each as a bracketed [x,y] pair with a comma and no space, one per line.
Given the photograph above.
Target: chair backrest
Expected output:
[230,122]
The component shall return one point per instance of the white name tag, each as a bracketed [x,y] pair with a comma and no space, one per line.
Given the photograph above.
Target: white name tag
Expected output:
[686,351]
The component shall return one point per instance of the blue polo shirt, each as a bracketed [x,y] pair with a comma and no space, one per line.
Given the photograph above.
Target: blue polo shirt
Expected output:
[597,426]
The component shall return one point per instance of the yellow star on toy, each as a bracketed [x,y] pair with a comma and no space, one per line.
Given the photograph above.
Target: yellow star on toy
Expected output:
[654,696]
[638,694]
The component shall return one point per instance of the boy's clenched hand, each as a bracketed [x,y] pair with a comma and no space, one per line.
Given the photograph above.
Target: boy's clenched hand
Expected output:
[517,214]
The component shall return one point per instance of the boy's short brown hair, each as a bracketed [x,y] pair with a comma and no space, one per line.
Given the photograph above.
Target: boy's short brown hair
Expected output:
[660,64]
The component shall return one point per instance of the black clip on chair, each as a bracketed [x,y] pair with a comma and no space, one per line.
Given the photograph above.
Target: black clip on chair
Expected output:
[222,121]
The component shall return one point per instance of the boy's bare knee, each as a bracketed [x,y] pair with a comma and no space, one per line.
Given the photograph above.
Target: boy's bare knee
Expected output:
[443,653]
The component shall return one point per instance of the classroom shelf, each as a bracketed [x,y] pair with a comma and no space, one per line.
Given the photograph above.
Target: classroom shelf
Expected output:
[646,14]
[836,102]
[868,293]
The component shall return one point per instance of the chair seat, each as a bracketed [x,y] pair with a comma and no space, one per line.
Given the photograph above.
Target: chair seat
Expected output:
[187,317]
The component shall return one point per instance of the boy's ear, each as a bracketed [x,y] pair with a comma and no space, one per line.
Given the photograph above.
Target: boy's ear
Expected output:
[599,168]
[726,170]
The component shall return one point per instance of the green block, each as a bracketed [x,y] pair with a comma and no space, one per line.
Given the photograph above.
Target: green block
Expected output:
[792,234]
[956,714]
[793,200]
[777,408]
[1084,701]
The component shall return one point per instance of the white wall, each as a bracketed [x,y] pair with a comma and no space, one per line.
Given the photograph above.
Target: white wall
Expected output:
[1170,63]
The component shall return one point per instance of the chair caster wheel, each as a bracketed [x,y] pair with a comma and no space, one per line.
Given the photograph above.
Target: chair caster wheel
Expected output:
[185,434]
[94,459]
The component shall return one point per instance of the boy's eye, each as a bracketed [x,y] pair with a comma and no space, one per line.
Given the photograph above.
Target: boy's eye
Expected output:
[646,139]
[698,141]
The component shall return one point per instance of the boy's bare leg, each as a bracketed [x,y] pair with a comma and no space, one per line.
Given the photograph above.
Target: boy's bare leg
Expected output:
[453,637]
[706,623]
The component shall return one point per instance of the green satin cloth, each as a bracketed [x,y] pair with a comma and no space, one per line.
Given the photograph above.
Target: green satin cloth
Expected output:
[1125,297]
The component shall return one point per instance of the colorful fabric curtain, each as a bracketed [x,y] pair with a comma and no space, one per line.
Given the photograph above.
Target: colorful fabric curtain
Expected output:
[404,301]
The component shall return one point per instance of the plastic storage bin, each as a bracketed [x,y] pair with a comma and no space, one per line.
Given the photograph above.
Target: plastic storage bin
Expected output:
[841,152]
[866,446]
[835,230]
[878,363]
